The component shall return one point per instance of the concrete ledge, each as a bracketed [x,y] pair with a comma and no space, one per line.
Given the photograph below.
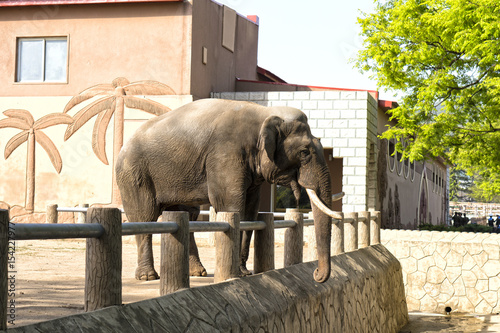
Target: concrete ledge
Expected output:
[365,293]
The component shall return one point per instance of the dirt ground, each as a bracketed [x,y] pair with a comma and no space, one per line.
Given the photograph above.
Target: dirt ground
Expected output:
[49,283]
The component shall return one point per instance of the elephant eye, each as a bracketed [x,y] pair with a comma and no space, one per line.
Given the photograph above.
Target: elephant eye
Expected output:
[304,154]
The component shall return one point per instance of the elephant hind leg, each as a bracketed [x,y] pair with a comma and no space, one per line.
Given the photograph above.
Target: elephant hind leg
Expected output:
[195,266]
[140,206]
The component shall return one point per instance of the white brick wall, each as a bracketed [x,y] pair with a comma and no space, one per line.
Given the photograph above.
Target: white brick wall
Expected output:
[345,121]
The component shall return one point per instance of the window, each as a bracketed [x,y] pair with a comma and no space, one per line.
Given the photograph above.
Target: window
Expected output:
[408,165]
[399,162]
[390,153]
[229,28]
[42,59]
[412,171]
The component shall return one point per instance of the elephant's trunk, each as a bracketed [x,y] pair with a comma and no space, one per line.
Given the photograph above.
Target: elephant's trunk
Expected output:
[322,226]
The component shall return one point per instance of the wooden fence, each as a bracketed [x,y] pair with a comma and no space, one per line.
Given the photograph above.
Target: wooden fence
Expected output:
[103,229]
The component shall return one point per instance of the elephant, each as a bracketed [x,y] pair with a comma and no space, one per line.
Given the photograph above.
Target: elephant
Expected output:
[219,152]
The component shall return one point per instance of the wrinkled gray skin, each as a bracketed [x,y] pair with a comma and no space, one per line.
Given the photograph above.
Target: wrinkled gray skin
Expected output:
[220,152]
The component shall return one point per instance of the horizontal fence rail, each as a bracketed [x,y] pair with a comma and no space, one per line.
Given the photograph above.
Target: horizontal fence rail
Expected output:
[35,231]
[53,209]
[138,228]
[103,226]
[25,231]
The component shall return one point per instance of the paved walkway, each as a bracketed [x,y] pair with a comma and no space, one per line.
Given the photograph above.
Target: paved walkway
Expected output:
[50,284]
[464,323]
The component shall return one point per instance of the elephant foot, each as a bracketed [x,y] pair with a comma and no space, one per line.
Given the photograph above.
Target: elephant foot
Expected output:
[244,270]
[196,267]
[146,274]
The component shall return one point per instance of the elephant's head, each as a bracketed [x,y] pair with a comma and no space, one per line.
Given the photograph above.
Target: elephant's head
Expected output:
[291,156]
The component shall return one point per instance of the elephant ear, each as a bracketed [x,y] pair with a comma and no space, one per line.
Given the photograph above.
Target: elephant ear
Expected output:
[269,134]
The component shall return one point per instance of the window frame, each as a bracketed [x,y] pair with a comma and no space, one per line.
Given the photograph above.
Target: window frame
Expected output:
[17,80]
[391,160]
[413,170]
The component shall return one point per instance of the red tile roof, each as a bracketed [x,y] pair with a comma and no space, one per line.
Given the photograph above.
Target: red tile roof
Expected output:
[19,3]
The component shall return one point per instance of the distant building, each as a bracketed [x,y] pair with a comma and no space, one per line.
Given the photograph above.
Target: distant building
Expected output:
[55,50]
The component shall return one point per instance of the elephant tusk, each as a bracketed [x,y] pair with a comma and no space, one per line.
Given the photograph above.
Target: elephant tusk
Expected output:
[338,196]
[318,203]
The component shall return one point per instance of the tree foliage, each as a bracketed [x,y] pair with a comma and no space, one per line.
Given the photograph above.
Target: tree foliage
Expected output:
[461,185]
[443,56]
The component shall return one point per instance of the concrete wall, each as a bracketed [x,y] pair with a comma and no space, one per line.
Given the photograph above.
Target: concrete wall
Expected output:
[401,183]
[423,184]
[222,65]
[456,269]
[75,184]
[363,294]
[147,41]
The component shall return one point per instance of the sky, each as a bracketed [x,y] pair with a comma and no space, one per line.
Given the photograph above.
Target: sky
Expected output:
[310,42]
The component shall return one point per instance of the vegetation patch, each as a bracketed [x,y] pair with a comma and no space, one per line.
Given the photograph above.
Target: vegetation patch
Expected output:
[465,228]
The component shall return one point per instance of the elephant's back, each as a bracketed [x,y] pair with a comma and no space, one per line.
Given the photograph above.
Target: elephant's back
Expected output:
[201,118]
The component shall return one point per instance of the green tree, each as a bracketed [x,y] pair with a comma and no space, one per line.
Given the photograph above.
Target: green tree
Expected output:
[443,56]
[461,185]
[478,193]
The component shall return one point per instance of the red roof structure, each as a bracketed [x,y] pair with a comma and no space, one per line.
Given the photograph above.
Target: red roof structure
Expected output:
[267,77]
[21,3]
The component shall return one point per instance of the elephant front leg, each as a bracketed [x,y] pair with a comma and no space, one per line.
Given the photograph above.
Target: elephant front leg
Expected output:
[145,266]
[195,266]
[246,237]
[252,204]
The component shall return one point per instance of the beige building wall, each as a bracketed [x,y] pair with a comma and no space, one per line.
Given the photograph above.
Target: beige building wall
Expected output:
[83,178]
[215,67]
[159,41]
[423,184]
[137,41]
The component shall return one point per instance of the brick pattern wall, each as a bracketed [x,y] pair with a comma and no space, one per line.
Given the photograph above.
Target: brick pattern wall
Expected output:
[345,121]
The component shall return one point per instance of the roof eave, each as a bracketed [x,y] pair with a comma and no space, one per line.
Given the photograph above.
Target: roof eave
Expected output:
[24,3]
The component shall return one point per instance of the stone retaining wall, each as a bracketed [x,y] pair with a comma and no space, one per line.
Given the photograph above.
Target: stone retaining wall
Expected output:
[364,294]
[440,269]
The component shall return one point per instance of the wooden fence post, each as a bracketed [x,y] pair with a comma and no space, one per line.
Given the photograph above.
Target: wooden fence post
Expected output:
[294,238]
[264,245]
[227,251]
[364,230]
[375,229]
[81,216]
[212,217]
[174,270]
[51,216]
[351,231]
[337,246]
[103,270]
[4,249]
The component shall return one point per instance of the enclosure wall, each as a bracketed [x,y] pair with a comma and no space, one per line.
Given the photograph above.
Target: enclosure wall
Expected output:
[460,270]
[364,294]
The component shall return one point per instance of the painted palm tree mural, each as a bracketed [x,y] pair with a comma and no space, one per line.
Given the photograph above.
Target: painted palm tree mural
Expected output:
[31,133]
[115,97]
